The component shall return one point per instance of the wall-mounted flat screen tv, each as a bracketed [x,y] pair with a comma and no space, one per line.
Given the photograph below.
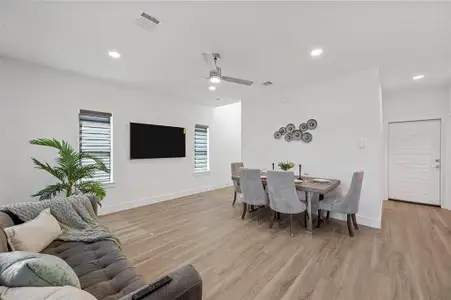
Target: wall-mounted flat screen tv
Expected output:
[156,141]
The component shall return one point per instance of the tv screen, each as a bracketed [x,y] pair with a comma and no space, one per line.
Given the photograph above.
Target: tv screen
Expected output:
[156,141]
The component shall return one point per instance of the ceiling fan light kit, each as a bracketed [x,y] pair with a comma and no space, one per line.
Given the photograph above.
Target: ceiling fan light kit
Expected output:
[216,76]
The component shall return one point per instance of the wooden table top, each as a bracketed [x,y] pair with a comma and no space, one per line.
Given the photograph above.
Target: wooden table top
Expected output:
[308,185]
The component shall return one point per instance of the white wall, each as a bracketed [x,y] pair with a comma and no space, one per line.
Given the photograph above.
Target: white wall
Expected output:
[42,102]
[422,103]
[226,134]
[348,111]
[447,202]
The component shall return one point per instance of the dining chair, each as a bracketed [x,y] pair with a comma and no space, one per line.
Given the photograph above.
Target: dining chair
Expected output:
[252,188]
[283,197]
[349,204]
[235,167]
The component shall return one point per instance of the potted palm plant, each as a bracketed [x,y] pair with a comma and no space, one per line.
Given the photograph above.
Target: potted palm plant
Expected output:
[72,176]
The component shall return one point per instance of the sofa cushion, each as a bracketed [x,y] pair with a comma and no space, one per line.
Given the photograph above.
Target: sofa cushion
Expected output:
[44,293]
[103,271]
[19,269]
[34,235]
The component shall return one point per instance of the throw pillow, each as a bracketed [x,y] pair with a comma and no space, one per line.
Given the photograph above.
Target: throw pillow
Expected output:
[20,269]
[34,235]
[44,293]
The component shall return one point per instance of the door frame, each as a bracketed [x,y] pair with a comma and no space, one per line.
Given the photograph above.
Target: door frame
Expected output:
[442,150]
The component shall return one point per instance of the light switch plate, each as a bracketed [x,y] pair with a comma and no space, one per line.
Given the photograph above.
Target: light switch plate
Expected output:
[362,144]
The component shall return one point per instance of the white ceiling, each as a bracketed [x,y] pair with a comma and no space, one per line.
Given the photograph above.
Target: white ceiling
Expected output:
[258,41]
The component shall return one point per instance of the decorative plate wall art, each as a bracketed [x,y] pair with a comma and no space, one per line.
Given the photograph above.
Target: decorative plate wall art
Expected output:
[288,137]
[307,137]
[303,127]
[282,130]
[290,127]
[297,135]
[291,133]
[311,124]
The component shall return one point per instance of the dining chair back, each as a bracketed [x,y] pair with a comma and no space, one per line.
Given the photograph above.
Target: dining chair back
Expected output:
[252,187]
[349,204]
[283,197]
[235,169]
[353,195]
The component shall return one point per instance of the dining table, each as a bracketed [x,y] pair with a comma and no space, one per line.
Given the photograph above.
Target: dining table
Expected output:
[312,187]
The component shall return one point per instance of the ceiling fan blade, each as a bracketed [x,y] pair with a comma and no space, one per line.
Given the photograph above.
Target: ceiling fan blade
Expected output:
[237,80]
[208,58]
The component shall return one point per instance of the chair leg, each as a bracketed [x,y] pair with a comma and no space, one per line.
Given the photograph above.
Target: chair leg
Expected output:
[234,198]
[328,215]
[320,218]
[273,219]
[354,221]
[351,231]
[291,226]
[259,210]
[244,210]
[305,219]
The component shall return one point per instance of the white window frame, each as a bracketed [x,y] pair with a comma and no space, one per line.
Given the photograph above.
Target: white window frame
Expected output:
[81,111]
[208,149]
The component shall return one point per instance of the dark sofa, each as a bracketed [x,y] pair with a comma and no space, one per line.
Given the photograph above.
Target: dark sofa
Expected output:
[105,273]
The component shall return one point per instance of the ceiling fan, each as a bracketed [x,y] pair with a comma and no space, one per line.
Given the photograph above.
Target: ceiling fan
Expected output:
[215,73]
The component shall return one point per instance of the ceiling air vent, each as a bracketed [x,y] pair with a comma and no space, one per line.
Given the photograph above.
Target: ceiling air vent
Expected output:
[147,22]
[266,83]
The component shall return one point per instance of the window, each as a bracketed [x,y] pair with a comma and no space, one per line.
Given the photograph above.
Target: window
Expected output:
[201,153]
[95,139]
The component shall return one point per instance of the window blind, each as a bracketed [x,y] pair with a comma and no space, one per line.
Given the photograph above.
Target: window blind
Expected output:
[95,139]
[201,145]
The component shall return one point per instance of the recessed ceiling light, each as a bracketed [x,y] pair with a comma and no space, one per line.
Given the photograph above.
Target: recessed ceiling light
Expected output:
[316,52]
[212,88]
[114,54]
[418,77]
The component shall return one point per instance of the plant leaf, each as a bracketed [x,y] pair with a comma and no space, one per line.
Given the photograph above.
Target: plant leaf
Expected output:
[98,162]
[92,187]
[46,167]
[50,191]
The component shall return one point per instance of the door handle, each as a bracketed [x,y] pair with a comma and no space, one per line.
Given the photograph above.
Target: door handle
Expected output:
[437,166]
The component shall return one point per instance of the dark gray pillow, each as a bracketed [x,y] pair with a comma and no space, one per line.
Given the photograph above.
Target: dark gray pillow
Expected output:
[19,269]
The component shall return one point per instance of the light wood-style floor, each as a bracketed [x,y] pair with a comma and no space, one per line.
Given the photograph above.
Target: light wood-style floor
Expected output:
[410,258]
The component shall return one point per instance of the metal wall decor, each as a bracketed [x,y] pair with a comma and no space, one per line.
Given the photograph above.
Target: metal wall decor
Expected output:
[290,127]
[291,133]
[282,130]
[297,135]
[307,137]
[288,137]
[311,124]
[303,127]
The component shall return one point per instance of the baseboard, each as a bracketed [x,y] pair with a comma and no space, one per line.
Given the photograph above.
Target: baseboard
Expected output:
[133,204]
[370,222]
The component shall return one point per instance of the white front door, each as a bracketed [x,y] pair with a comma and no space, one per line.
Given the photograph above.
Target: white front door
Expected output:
[414,161]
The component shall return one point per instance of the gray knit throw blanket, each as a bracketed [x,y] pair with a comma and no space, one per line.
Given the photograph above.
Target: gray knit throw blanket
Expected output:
[75,215]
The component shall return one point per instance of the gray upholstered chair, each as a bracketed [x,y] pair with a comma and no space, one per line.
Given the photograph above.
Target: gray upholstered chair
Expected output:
[252,188]
[283,197]
[235,167]
[349,204]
